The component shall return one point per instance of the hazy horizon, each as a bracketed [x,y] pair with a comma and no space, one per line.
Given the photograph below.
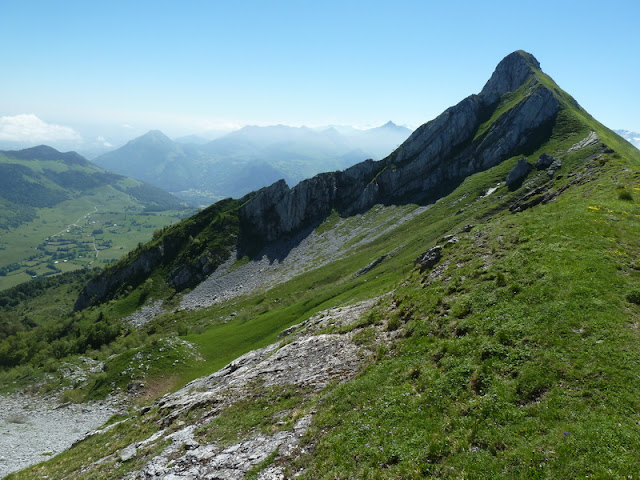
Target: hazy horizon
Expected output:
[80,73]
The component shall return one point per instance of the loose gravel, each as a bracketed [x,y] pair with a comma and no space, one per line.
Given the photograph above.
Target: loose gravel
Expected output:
[310,250]
[145,314]
[33,429]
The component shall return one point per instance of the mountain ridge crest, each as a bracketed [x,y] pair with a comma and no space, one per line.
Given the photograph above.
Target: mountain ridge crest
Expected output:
[433,161]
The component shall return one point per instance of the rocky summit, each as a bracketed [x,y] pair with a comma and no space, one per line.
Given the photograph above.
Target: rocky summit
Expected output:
[435,158]
[466,307]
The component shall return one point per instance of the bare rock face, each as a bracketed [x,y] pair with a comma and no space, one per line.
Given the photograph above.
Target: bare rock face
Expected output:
[588,141]
[133,273]
[438,138]
[549,163]
[429,259]
[431,162]
[139,268]
[187,262]
[544,161]
[434,160]
[512,72]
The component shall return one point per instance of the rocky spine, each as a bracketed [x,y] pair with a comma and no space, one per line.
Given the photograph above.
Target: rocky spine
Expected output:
[463,140]
[431,162]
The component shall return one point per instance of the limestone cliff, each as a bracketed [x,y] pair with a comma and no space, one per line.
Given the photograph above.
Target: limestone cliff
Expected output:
[184,254]
[433,160]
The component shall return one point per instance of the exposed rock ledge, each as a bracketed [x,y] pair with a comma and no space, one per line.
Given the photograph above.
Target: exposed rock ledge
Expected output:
[307,358]
[436,158]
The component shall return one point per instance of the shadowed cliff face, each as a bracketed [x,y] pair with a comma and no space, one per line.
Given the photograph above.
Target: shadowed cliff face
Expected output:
[187,252]
[432,162]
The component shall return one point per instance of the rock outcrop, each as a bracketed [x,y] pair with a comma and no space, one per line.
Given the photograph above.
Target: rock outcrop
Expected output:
[103,286]
[188,252]
[518,173]
[429,259]
[544,161]
[511,73]
[305,360]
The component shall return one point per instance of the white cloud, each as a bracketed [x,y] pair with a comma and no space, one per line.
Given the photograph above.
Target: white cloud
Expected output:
[103,141]
[28,128]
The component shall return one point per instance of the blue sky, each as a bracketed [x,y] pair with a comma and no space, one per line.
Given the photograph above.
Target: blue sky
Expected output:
[91,68]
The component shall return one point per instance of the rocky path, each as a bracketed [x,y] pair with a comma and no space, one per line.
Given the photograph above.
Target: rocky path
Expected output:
[33,429]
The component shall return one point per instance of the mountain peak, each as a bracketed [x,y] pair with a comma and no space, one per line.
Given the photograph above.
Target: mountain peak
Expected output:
[390,127]
[155,134]
[510,74]
[152,138]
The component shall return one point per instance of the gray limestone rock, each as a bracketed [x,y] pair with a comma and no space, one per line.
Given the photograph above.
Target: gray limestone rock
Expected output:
[101,287]
[306,359]
[518,173]
[432,161]
[429,258]
[437,156]
[544,161]
[128,453]
[556,165]
[511,73]
[370,266]
[588,141]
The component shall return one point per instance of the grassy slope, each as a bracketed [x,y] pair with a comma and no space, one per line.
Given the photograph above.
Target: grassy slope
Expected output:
[520,365]
[108,204]
[520,361]
[517,363]
[524,369]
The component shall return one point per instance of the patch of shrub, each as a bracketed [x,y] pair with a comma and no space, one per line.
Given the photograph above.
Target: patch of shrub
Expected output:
[393,324]
[381,352]
[72,396]
[625,195]
[634,297]
[462,308]
[414,372]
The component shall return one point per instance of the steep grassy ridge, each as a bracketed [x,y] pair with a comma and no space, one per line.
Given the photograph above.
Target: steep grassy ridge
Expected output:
[177,257]
[517,351]
[520,353]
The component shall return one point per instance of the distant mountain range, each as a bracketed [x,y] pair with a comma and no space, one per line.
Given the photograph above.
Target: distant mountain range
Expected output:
[632,137]
[43,177]
[247,159]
